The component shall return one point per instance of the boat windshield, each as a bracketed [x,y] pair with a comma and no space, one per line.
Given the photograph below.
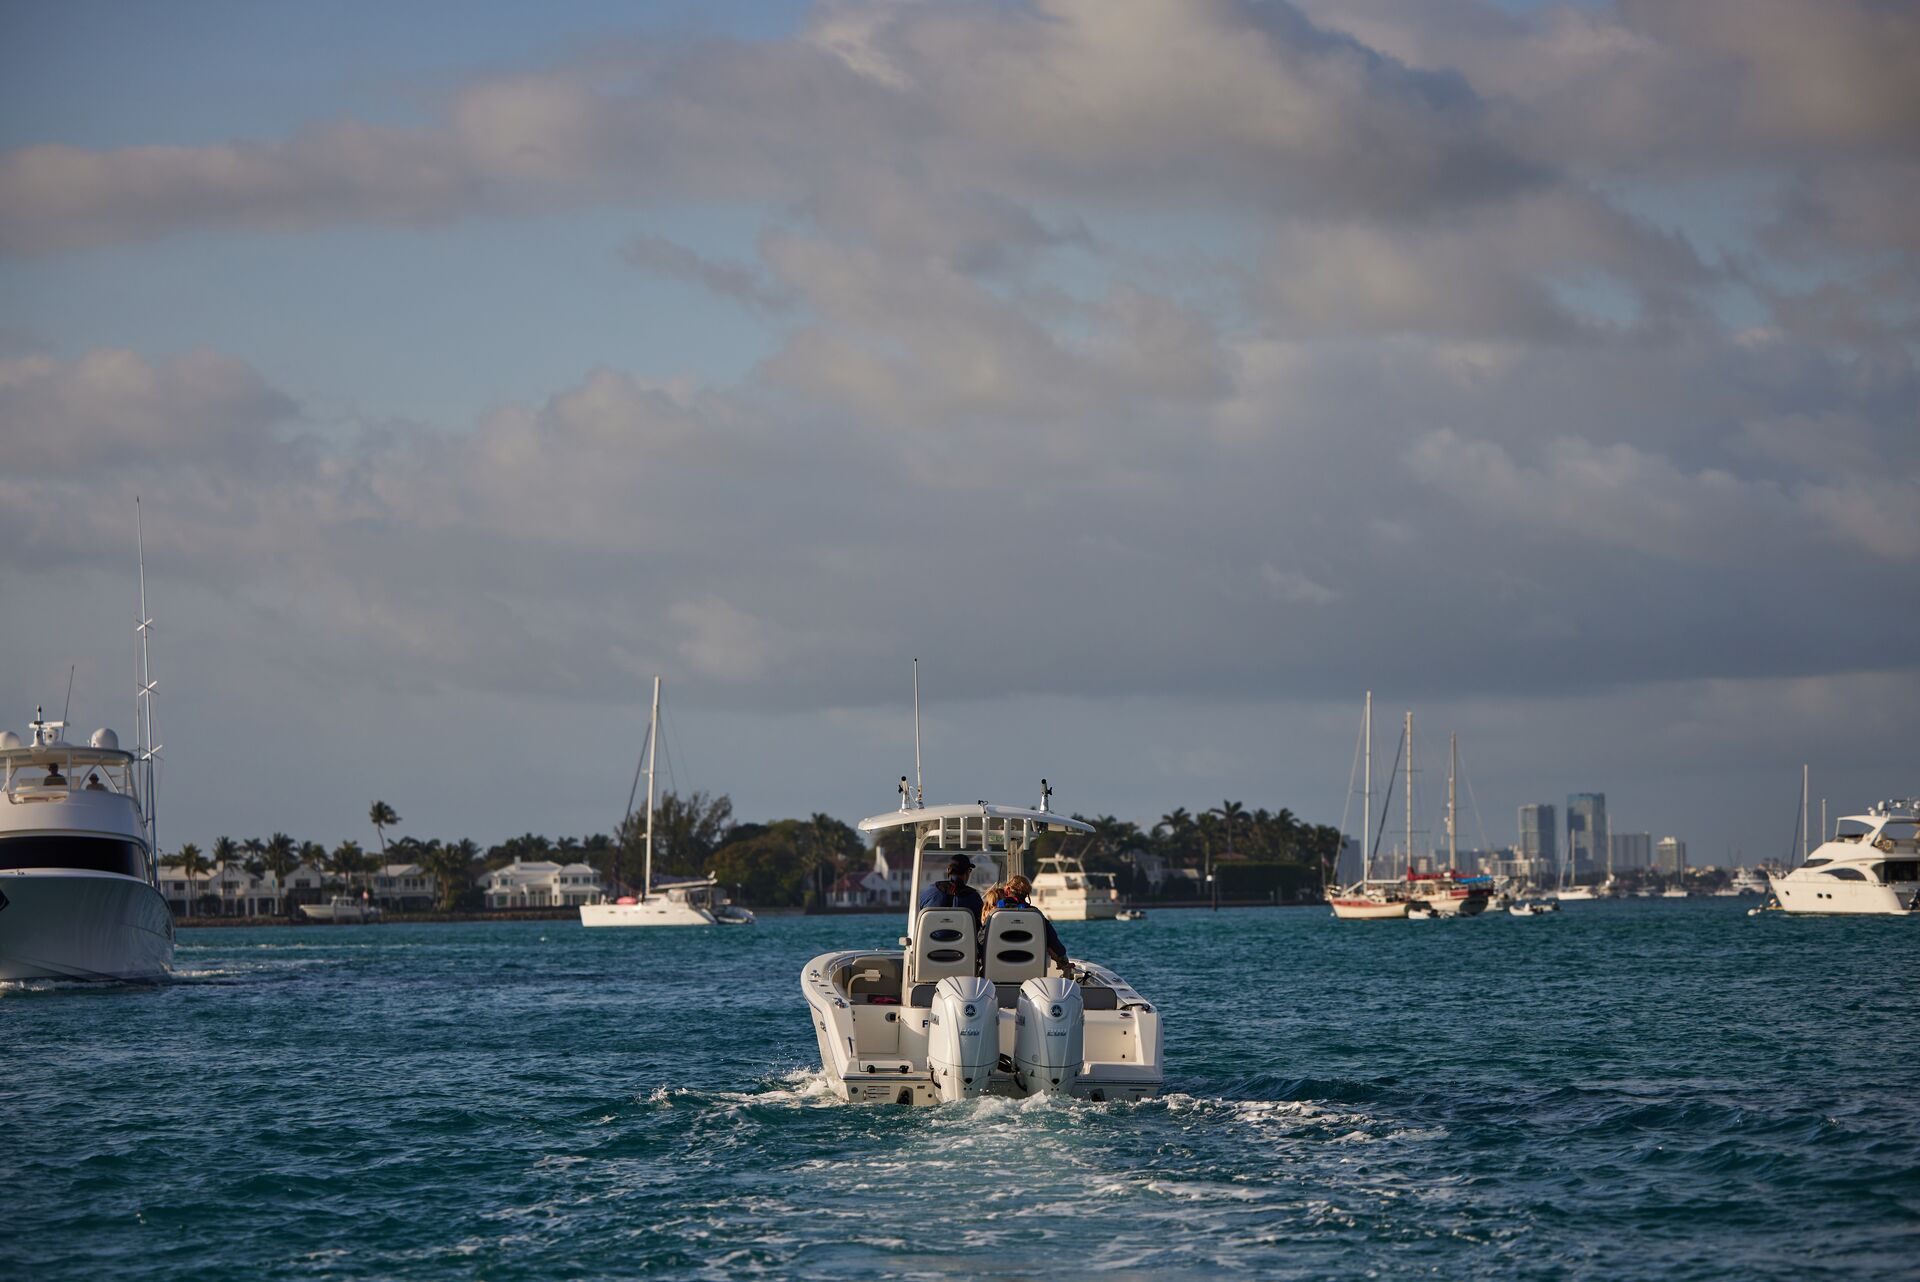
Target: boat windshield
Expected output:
[88,854]
[1851,829]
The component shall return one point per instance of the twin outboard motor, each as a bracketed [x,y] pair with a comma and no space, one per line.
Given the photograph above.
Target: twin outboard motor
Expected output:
[1049,1040]
[963,1036]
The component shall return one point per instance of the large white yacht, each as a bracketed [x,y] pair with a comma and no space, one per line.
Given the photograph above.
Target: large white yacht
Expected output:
[1871,865]
[78,898]
[957,1011]
[1065,891]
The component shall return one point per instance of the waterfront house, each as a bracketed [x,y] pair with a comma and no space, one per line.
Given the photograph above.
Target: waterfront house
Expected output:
[406,888]
[541,883]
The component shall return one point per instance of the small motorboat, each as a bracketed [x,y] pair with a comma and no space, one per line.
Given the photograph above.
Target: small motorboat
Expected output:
[1532,908]
[1130,914]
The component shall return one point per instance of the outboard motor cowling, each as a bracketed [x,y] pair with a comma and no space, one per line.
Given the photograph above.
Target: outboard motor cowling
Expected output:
[1049,1041]
[963,1036]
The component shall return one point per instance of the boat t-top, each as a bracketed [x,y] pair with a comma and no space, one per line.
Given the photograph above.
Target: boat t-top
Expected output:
[958,1011]
[1870,865]
[680,901]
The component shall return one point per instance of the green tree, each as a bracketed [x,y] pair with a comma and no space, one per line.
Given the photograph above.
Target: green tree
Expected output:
[349,861]
[225,852]
[280,857]
[194,865]
[451,864]
[382,816]
[687,830]
[768,867]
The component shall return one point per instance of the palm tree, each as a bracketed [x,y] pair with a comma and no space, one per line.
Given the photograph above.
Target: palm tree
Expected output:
[383,817]
[1178,824]
[224,850]
[348,860]
[281,858]
[193,864]
[1208,824]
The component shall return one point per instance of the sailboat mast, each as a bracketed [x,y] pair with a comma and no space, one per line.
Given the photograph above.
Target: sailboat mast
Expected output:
[1366,800]
[1453,763]
[1407,801]
[653,747]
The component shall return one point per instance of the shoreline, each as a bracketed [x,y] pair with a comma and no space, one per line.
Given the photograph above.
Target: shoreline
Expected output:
[573,914]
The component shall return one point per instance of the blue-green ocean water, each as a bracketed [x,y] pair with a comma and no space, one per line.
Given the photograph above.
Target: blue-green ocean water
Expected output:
[1642,1089]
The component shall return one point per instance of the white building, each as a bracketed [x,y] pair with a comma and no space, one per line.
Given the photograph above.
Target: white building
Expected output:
[541,883]
[405,888]
[240,893]
[882,886]
[1670,856]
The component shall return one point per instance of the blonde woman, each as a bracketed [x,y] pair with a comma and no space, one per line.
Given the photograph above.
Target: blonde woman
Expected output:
[1014,895]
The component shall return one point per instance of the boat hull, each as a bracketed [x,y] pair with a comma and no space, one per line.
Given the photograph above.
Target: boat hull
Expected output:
[878,1053]
[1368,909]
[1813,895]
[83,925]
[654,912]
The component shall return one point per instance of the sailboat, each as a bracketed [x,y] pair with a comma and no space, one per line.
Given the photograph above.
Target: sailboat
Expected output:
[1367,899]
[1446,894]
[691,901]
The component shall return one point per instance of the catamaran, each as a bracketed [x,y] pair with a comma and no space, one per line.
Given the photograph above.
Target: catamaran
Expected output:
[681,901]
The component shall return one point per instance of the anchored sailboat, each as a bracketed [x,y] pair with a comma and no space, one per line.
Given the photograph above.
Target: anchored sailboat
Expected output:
[694,901]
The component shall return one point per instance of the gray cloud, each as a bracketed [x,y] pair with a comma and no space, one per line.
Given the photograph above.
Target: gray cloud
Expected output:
[1135,102]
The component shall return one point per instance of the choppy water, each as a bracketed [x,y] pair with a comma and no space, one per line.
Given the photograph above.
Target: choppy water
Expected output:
[1660,1089]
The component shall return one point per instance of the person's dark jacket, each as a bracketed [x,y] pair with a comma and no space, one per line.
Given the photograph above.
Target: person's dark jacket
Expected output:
[947,893]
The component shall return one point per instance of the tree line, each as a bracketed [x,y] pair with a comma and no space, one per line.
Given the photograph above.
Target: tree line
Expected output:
[792,862]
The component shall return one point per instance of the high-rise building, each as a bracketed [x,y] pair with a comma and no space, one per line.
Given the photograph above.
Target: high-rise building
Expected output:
[1632,850]
[1670,856]
[1539,845]
[1587,832]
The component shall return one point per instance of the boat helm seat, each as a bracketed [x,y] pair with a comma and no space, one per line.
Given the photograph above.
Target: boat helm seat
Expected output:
[943,945]
[1016,946]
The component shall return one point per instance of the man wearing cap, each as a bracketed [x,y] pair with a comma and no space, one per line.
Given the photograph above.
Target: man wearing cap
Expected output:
[953,891]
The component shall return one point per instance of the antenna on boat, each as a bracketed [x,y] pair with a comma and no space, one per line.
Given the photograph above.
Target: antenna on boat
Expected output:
[1046,795]
[1806,818]
[67,707]
[919,790]
[149,751]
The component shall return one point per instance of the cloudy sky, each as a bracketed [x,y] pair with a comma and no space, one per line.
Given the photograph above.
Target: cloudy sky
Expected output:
[1162,375]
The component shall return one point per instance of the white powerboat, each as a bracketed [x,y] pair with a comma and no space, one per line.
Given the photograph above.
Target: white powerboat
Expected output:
[78,891]
[956,1011]
[687,901]
[342,910]
[1872,865]
[1065,891]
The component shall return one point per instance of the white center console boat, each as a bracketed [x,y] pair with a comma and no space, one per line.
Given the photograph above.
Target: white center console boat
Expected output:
[958,1011]
[1872,865]
[77,892]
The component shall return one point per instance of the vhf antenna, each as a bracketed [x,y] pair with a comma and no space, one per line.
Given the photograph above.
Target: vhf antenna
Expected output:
[919,790]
